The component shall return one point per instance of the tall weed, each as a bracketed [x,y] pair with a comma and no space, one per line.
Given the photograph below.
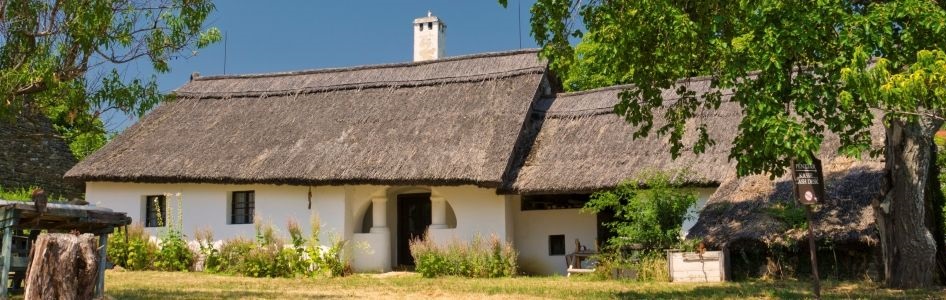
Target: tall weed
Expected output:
[174,254]
[270,256]
[477,258]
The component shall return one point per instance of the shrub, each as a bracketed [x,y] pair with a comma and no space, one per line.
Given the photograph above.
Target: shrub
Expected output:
[638,266]
[132,251]
[324,261]
[649,211]
[331,260]
[478,258]
[269,256]
[232,254]
[265,258]
[260,262]
[174,254]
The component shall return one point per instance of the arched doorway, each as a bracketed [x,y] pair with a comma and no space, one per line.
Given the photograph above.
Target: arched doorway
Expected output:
[413,218]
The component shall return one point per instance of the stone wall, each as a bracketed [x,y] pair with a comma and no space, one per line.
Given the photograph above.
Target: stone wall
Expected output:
[32,154]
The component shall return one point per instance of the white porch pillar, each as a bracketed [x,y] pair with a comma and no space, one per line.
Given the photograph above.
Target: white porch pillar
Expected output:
[438,213]
[377,256]
[379,214]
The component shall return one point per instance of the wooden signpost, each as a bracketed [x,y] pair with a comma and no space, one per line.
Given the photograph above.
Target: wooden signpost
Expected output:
[809,190]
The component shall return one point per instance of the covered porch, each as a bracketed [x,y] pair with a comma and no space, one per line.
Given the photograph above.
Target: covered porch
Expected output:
[389,217]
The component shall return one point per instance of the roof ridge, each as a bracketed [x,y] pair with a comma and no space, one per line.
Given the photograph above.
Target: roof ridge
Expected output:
[624,86]
[606,109]
[369,67]
[367,85]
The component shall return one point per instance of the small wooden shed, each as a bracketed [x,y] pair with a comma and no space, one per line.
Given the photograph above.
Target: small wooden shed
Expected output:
[17,218]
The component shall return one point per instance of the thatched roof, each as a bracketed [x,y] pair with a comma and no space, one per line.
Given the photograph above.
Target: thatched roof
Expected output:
[747,208]
[478,120]
[577,144]
[581,145]
[440,122]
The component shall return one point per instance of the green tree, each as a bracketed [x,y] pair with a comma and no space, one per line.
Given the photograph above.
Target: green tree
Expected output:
[798,69]
[62,58]
[648,211]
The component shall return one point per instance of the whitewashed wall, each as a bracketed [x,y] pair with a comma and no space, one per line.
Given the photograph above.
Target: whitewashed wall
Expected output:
[341,209]
[693,213]
[205,205]
[533,228]
[532,231]
[479,211]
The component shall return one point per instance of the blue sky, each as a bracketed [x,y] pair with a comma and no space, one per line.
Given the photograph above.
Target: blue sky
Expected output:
[272,36]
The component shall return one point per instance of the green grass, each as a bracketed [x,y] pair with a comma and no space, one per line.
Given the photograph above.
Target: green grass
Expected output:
[176,285]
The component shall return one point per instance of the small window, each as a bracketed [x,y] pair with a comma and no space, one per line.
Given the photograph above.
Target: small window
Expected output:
[557,244]
[420,26]
[155,211]
[242,205]
[430,25]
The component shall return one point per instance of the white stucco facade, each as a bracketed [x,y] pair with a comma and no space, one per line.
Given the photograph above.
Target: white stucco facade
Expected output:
[464,212]
[367,216]
[205,205]
[533,228]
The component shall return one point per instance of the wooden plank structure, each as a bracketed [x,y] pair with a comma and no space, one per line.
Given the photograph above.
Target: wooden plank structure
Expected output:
[708,266]
[17,217]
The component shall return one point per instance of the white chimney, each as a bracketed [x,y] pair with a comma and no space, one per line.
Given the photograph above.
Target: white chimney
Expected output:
[428,38]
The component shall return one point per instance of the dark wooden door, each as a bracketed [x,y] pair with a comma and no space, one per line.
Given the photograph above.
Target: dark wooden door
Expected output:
[413,218]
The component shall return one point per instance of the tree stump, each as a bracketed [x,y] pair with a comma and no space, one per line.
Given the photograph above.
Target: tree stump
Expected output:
[62,266]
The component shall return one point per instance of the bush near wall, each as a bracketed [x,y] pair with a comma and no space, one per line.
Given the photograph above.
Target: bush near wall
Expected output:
[271,256]
[649,211]
[131,248]
[477,259]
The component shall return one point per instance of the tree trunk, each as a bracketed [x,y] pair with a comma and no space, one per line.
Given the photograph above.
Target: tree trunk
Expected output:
[904,217]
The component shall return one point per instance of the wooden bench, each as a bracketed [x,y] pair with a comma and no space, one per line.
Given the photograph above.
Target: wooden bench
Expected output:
[574,260]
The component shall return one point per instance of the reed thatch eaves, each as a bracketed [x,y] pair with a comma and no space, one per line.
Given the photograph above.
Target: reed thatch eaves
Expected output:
[580,145]
[444,122]
[745,208]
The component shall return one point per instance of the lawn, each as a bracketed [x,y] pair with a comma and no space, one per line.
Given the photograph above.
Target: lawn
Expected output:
[164,285]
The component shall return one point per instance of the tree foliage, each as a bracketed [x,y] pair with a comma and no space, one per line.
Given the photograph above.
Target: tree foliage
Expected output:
[782,61]
[64,57]
[649,211]
[798,69]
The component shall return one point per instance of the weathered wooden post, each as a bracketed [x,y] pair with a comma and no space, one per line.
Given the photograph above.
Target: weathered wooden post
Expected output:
[100,281]
[9,220]
[809,190]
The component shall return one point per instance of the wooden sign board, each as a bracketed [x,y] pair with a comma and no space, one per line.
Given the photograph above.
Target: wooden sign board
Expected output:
[809,182]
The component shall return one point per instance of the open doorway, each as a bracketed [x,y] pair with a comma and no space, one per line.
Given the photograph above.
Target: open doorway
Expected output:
[413,218]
